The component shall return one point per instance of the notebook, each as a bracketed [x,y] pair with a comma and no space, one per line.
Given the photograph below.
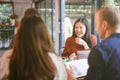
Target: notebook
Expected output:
[78,67]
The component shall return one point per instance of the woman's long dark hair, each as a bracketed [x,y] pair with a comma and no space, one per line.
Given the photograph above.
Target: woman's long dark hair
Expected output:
[86,37]
[30,59]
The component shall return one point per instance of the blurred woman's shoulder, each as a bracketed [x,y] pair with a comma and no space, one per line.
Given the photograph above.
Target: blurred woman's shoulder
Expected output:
[4,64]
[61,71]
[7,54]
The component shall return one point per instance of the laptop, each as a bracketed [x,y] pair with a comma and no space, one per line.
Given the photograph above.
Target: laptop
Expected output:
[83,54]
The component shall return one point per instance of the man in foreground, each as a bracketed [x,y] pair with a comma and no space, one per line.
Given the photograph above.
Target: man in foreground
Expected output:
[104,59]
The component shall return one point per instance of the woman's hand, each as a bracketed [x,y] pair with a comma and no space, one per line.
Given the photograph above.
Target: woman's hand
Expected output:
[73,56]
[80,41]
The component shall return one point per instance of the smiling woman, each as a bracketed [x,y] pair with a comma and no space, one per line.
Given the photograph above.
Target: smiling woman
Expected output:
[80,29]
[80,39]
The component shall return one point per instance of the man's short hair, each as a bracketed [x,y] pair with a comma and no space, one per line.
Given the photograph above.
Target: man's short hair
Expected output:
[110,14]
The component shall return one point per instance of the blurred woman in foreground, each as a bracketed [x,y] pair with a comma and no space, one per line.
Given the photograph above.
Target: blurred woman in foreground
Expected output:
[33,56]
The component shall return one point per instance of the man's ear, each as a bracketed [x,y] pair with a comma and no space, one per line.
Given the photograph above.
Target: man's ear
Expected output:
[105,25]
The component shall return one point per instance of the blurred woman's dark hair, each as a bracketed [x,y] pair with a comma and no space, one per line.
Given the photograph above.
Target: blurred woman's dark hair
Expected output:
[31,11]
[30,59]
[86,37]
